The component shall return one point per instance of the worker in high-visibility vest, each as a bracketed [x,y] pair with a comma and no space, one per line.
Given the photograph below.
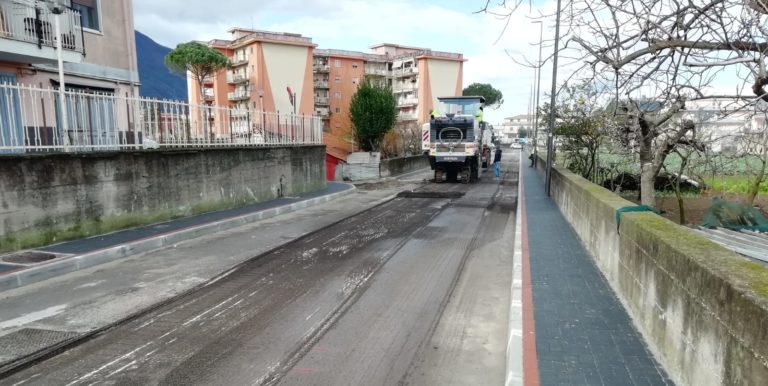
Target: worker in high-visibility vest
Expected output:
[479,115]
[434,113]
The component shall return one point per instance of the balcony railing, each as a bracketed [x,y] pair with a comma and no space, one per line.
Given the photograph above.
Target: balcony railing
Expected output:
[239,95]
[407,102]
[404,88]
[407,116]
[24,21]
[321,84]
[323,101]
[376,71]
[322,68]
[236,78]
[408,71]
[238,61]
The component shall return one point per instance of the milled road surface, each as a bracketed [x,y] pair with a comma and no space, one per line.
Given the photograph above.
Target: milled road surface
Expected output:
[412,291]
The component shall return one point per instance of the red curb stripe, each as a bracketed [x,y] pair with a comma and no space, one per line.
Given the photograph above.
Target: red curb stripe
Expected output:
[530,358]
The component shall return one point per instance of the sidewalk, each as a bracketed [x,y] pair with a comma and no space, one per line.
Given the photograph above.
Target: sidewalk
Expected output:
[79,254]
[581,334]
[42,316]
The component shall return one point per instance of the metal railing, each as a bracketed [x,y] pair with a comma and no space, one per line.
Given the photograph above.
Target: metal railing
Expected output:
[376,71]
[234,78]
[30,122]
[321,100]
[321,84]
[322,68]
[238,95]
[407,101]
[25,21]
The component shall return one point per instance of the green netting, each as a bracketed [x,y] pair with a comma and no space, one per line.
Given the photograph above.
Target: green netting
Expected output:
[733,215]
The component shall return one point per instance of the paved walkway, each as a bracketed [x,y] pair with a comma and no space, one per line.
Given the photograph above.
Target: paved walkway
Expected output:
[583,335]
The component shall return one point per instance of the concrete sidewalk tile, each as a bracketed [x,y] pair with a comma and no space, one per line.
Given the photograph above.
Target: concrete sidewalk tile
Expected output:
[583,334]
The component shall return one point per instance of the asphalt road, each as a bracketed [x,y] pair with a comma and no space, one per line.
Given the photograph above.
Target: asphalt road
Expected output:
[414,291]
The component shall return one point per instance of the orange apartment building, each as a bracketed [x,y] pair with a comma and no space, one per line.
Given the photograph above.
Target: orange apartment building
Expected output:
[263,66]
[417,76]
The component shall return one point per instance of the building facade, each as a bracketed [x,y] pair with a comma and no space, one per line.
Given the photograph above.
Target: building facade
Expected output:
[99,48]
[99,62]
[269,71]
[510,128]
[417,77]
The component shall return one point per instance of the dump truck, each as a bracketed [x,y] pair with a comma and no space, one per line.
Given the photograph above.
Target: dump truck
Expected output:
[457,140]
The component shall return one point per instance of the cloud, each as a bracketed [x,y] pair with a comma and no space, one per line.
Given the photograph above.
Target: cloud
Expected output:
[358,24]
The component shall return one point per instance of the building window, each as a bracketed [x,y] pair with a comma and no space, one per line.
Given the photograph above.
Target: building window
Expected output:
[337,63]
[337,79]
[354,65]
[338,110]
[355,80]
[89,13]
[338,95]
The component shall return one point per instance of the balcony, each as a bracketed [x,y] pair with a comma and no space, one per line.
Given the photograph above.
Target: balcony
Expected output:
[239,95]
[27,33]
[404,72]
[376,71]
[406,117]
[322,68]
[321,101]
[407,102]
[321,84]
[405,88]
[323,113]
[236,78]
[238,61]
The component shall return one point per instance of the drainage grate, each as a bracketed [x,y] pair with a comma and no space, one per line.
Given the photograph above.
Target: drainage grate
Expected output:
[29,257]
[30,340]
[412,194]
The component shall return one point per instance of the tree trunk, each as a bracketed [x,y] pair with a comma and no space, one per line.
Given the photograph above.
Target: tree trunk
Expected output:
[647,169]
[754,185]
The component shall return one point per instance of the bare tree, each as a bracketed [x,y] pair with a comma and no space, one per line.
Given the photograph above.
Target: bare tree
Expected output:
[659,54]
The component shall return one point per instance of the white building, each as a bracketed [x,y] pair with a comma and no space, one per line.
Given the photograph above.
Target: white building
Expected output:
[724,121]
[510,128]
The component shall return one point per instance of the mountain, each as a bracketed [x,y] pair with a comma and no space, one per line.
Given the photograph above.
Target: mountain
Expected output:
[157,81]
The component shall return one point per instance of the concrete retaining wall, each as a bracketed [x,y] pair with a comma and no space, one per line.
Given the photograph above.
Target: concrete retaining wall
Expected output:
[401,165]
[702,309]
[44,199]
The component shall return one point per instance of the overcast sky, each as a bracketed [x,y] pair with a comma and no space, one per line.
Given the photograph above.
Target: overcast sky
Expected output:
[444,25]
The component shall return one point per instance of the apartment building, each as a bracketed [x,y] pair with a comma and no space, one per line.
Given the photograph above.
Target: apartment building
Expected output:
[510,127]
[417,76]
[420,76]
[269,71]
[337,74]
[99,49]
[99,55]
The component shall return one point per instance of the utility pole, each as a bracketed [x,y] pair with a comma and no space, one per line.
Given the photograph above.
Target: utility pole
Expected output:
[57,10]
[551,126]
[538,91]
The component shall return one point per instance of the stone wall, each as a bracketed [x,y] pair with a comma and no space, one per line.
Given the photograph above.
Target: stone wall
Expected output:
[401,165]
[702,309]
[48,198]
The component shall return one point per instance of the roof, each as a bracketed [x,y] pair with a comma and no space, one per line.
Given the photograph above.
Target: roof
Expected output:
[395,46]
[747,243]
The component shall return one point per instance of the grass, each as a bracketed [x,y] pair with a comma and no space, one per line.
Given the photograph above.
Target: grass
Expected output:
[733,184]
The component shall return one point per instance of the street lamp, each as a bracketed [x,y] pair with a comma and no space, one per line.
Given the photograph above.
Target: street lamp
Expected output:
[57,9]
[538,91]
[551,126]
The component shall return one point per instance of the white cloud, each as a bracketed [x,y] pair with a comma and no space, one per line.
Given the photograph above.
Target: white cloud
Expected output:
[358,24]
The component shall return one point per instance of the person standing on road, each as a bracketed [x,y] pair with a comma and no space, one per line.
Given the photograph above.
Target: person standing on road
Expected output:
[497,162]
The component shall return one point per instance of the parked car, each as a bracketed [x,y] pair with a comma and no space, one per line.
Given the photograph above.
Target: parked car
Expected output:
[516,146]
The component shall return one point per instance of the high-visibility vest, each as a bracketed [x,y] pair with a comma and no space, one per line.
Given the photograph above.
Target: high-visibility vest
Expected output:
[479,115]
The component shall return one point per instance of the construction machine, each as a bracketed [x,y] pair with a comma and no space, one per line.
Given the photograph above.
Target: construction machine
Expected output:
[457,139]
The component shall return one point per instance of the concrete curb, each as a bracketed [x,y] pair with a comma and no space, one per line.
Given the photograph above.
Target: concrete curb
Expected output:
[514,373]
[74,263]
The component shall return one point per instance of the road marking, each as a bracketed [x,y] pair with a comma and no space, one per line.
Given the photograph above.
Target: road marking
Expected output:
[33,316]
[121,369]
[94,372]
[209,310]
